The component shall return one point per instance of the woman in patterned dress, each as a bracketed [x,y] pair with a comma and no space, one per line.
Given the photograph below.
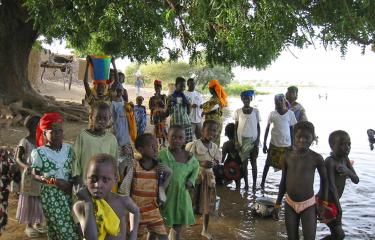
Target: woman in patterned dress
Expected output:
[52,166]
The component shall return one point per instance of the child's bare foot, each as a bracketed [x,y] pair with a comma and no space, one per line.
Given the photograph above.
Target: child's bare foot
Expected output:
[246,187]
[262,185]
[206,235]
[254,187]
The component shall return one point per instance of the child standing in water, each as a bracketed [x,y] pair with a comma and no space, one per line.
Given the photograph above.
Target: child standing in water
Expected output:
[281,136]
[29,210]
[100,212]
[149,181]
[247,135]
[339,169]
[297,183]
[178,108]
[94,140]
[178,210]
[208,155]
[140,115]
[157,105]
[232,170]
[52,166]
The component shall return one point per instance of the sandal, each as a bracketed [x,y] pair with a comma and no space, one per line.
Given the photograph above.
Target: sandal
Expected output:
[31,232]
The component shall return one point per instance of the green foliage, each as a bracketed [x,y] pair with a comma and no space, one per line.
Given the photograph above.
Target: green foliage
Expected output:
[235,89]
[168,71]
[218,32]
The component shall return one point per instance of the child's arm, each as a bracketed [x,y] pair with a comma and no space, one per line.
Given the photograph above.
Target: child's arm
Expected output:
[225,151]
[256,143]
[20,152]
[134,216]
[265,138]
[291,135]
[190,183]
[282,190]
[86,78]
[167,172]
[84,212]
[351,173]
[235,134]
[114,85]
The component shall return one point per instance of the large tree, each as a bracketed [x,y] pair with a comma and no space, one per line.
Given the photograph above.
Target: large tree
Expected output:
[227,32]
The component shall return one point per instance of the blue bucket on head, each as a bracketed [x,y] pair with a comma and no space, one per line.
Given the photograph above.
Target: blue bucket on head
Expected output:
[100,67]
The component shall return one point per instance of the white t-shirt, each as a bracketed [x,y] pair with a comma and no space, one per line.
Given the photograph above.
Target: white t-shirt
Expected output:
[195,98]
[280,133]
[247,124]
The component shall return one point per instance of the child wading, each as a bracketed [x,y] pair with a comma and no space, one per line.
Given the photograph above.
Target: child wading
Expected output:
[94,140]
[29,210]
[297,183]
[101,92]
[208,155]
[248,132]
[157,105]
[52,166]
[100,212]
[281,136]
[140,115]
[178,108]
[121,131]
[177,210]
[231,158]
[339,168]
[147,182]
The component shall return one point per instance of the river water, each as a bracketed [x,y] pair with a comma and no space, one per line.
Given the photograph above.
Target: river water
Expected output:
[351,110]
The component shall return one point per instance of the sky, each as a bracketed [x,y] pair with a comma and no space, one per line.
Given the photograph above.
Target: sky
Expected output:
[316,65]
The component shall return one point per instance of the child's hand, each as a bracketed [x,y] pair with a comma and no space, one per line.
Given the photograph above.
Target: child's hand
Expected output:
[88,59]
[64,185]
[83,194]
[275,213]
[206,164]
[342,170]
[189,185]
[265,149]
[194,105]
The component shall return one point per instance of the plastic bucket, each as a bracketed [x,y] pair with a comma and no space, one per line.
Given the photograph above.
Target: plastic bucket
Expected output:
[100,67]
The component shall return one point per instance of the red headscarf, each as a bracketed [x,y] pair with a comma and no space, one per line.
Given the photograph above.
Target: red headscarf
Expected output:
[157,82]
[45,123]
[219,92]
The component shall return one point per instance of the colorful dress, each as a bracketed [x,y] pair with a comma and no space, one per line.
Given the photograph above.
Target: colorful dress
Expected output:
[144,192]
[299,112]
[178,207]
[56,203]
[205,190]
[29,210]
[140,119]
[157,107]
[213,111]
[178,110]
[5,177]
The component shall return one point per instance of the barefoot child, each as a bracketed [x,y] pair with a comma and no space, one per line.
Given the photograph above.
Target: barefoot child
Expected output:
[52,166]
[281,136]
[178,108]
[297,183]
[339,169]
[231,158]
[208,155]
[149,179]
[94,140]
[177,210]
[195,100]
[100,212]
[140,115]
[247,135]
[157,106]
[299,111]
[29,210]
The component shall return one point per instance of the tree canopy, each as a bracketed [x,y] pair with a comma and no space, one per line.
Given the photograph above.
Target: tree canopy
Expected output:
[226,32]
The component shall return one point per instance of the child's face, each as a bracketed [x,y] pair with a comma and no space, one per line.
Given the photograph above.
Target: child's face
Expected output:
[55,135]
[291,96]
[302,139]
[176,138]
[100,87]
[101,119]
[246,100]
[157,89]
[149,149]
[100,179]
[33,126]
[280,104]
[191,85]
[139,101]
[212,91]
[209,132]
[180,86]
[341,145]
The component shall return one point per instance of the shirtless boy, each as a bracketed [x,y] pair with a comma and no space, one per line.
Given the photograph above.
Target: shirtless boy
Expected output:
[339,169]
[297,184]
[99,211]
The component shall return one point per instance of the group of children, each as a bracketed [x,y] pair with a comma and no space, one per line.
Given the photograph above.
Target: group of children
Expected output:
[102,179]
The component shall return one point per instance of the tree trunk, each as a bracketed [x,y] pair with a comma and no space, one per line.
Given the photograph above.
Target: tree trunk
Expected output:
[17,37]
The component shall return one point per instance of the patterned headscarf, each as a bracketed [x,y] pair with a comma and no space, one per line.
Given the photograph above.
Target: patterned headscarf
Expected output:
[46,123]
[219,91]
